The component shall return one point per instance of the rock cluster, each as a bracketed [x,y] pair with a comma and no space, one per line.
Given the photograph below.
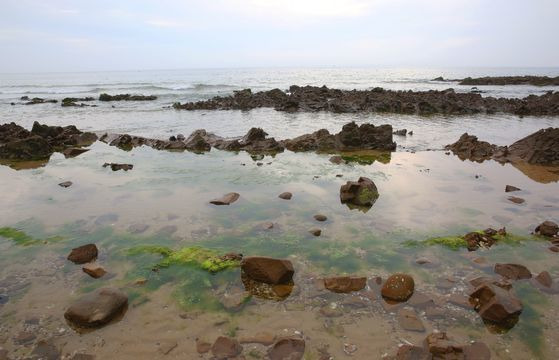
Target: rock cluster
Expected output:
[126,97]
[312,99]
[512,80]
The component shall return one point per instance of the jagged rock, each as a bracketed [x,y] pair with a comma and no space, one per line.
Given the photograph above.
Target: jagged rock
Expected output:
[547,228]
[126,97]
[83,254]
[73,152]
[544,279]
[94,270]
[362,192]
[510,188]
[30,148]
[402,132]
[468,147]
[345,284]
[37,100]
[287,349]
[496,305]
[475,240]
[516,200]
[116,167]
[268,270]
[513,271]
[441,347]
[398,287]
[226,199]
[61,137]
[197,142]
[97,308]
[541,147]
[225,347]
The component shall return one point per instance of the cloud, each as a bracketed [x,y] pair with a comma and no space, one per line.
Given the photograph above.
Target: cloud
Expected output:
[165,23]
[304,8]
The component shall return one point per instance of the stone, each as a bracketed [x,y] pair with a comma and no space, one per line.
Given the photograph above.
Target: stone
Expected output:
[320,217]
[83,254]
[315,231]
[65,184]
[337,160]
[345,284]
[46,350]
[165,347]
[287,349]
[226,199]
[268,270]
[477,351]
[116,167]
[203,347]
[398,287]
[24,338]
[362,192]
[411,352]
[496,305]
[510,188]
[547,228]
[94,270]
[459,300]
[73,152]
[285,195]
[225,347]
[513,271]
[554,249]
[544,279]
[516,200]
[263,338]
[468,147]
[97,308]
[126,97]
[82,356]
[441,347]
[408,320]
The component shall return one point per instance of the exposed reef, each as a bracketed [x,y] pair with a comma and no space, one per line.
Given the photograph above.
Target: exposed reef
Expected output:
[126,97]
[512,80]
[313,99]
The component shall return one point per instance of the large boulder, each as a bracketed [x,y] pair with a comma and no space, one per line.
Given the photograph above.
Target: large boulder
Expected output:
[398,287]
[97,308]
[496,305]
[362,192]
[268,270]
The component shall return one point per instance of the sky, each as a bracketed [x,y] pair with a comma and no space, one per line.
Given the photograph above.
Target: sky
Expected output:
[58,35]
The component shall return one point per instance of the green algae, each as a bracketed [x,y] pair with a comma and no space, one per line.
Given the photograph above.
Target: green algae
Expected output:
[21,238]
[205,259]
[455,242]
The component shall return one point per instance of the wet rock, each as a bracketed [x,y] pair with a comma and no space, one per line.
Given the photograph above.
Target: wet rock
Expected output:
[197,141]
[486,239]
[320,217]
[226,347]
[24,338]
[477,351]
[554,249]
[73,152]
[45,350]
[510,188]
[94,270]
[62,137]
[83,254]
[138,228]
[513,271]
[441,347]
[226,199]
[421,301]
[287,349]
[337,160]
[408,320]
[541,147]
[285,195]
[398,287]
[126,97]
[496,305]
[512,80]
[544,279]
[263,338]
[362,192]
[268,270]
[435,313]
[411,352]
[37,100]
[315,231]
[65,184]
[262,290]
[29,148]
[4,298]
[516,200]
[97,308]
[459,300]
[402,132]
[202,347]
[547,228]
[345,284]
[468,147]
[116,167]
[82,356]
[235,300]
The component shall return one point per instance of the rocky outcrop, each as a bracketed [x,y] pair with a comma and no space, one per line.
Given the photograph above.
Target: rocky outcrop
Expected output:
[83,254]
[361,193]
[496,305]
[61,137]
[468,147]
[73,102]
[512,80]
[313,99]
[126,97]
[97,308]
[268,270]
[398,287]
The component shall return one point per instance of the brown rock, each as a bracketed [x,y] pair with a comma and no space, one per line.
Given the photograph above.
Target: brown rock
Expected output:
[516,200]
[345,284]
[226,347]
[510,188]
[46,350]
[554,249]
[287,349]
[411,352]
[337,160]
[362,192]
[408,320]
[285,195]
[547,228]
[513,271]
[441,347]
[268,270]
[116,167]
[97,308]
[165,347]
[83,254]
[263,338]
[398,287]
[477,351]
[202,347]
[94,270]
[315,231]
[226,199]
[320,217]
[544,279]
[496,305]
[65,184]
[73,152]
[24,338]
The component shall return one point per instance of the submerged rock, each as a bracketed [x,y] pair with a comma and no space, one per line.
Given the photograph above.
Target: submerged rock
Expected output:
[46,350]
[225,347]
[409,320]
[268,270]
[320,217]
[496,305]
[97,308]
[513,271]
[345,284]
[361,193]
[83,254]
[512,80]
[226,199]
[73,152]
[547,228]
[94,270]
[285,195]
[287,349]
[398,287]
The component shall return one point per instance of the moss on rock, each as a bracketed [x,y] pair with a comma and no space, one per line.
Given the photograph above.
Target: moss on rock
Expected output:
[23,239]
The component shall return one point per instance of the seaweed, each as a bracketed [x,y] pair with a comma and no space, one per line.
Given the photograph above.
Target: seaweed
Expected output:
[23,239]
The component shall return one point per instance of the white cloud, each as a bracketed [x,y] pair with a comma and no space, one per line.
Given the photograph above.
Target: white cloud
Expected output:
[166,23]
[304,8]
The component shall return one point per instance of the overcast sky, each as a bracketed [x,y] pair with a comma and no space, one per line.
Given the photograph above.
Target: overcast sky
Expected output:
[134,34]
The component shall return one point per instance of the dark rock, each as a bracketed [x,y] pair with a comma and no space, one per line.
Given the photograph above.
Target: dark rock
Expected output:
[126,97]
[138,228]
[544,279]
[408,320]
[401,132]
[225,348]
[362,192]
[285,195]
[65,184]
[82,356]
[510,188]
[547,228]
[197,141]
[398,287]
[315,231]
[468,147]
[512,80]
[83,254]
[496,305]
[345,284]
[411,352]
[73,152]
[554,249]
[513,271]
[116,167]
[477,351]
[97,308]
[320,217]
[94,270]
[226,199]
[441,347]
[29,148]
[516,200]
[541,147]
[268,270]
[37,100]
[287,349]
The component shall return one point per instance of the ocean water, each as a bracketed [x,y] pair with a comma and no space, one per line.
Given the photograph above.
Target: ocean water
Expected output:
[424,193]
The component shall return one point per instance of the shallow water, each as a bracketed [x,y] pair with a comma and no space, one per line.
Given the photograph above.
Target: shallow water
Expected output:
[424,193]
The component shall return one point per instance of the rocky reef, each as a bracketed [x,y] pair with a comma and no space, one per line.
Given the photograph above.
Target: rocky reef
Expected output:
[512,80]
[126,97]
[313,99]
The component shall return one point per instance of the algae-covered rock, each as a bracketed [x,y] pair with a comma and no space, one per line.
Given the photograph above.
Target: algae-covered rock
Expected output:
[206,259]
[473,240]
[21,238]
